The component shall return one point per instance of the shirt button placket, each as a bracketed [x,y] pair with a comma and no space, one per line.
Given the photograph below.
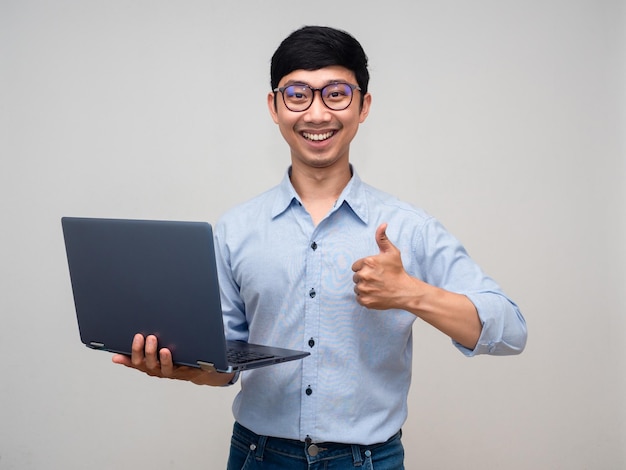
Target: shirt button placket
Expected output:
[309,371]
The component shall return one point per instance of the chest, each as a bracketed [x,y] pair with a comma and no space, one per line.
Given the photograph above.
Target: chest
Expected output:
[290,254]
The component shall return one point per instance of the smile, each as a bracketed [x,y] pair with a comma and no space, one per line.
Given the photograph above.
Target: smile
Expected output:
[318,137]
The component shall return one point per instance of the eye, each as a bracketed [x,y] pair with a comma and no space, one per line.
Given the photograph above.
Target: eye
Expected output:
[337,91]
[297,92]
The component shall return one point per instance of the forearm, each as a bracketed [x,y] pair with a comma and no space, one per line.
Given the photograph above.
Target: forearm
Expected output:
[484,321]
[453,314]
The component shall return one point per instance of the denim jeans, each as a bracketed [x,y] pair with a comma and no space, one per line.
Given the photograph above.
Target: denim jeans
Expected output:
[249,451]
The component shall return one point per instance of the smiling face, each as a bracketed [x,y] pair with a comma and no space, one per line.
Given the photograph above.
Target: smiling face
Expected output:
[319,137]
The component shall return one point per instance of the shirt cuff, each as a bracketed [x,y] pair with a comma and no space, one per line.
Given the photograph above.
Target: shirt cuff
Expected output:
[503,327]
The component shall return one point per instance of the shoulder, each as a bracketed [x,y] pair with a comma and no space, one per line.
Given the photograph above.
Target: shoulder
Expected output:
[383,204]
[412,228]
[243,214]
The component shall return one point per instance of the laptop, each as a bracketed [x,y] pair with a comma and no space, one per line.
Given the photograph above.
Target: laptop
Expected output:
[155,277]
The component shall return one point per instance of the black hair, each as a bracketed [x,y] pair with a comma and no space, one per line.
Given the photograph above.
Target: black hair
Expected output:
[316,47]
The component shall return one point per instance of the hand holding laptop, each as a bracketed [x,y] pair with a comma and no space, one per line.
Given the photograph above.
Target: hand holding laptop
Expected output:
[156,278]
[146,358]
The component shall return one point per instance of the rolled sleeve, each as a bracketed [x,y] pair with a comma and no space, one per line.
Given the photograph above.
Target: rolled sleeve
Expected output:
[504,330]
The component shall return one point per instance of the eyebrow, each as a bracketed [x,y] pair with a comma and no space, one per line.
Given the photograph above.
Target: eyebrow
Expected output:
[302,82]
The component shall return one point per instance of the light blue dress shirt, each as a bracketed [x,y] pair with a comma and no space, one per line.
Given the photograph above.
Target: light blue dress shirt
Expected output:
[287,283]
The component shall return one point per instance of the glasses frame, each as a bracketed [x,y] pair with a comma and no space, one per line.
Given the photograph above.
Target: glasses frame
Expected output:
[282,89]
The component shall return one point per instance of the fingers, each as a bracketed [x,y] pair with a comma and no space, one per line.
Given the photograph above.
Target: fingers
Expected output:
[361,279]
[167,364]
[357,292]
[137,354]
[384,244]
[151,355]
[122,359]
[146,357]
[143,353]
[376,276]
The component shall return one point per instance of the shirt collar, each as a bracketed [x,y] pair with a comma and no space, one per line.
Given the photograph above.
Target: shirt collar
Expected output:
[353,195]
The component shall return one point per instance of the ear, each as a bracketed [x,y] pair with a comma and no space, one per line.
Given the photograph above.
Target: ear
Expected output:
[271,105]
[365,108]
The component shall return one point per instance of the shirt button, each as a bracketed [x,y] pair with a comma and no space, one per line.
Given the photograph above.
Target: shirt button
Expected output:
[312,293]
[309,391]
[311,342]
[314,246]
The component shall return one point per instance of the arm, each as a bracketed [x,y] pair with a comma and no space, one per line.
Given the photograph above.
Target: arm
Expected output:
[145,358]
[488,323]
[452,314]
[382,283]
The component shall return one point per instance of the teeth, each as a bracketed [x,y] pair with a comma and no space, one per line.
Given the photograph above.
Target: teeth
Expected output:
[317,137]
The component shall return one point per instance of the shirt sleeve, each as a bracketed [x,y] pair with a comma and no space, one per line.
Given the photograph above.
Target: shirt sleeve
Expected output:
[504,328]
[447,264]
[233,309]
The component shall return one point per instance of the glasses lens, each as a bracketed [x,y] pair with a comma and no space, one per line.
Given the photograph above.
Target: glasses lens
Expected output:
[297,97]
[337,96]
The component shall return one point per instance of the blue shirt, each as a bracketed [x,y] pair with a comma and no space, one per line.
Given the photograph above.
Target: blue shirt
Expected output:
[287,283]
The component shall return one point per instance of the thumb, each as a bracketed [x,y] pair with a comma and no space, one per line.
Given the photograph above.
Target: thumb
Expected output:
[384,244]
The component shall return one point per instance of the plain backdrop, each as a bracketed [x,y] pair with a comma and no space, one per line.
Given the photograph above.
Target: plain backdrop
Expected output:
[504,119]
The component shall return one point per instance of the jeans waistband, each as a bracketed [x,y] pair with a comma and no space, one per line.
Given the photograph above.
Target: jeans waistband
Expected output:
[295,447]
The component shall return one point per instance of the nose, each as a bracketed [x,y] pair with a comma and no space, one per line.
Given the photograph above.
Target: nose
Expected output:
[317,112]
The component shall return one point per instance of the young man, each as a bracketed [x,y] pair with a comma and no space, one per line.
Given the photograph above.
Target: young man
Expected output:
[326,263]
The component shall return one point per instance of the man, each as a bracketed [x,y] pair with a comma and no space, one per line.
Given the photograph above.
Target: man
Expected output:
[326,263]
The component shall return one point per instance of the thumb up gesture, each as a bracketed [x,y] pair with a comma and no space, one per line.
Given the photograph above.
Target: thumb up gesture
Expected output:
[380,281]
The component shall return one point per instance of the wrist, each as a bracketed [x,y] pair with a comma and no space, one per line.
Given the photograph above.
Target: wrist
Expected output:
[218,379]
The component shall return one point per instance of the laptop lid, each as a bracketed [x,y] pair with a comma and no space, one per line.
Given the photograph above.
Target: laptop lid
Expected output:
[152,277]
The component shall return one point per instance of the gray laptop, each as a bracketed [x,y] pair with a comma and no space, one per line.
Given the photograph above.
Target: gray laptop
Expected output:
[155,277]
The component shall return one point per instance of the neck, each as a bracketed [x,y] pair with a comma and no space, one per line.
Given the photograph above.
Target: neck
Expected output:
[319,183]
[319,188]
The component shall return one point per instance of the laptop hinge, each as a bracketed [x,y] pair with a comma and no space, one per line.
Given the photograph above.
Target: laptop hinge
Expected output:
[208,366]
[96,345]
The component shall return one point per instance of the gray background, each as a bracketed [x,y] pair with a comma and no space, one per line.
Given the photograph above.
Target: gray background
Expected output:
[504,119]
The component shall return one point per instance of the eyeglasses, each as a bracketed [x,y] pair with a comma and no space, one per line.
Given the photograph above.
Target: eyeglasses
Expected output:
[299,97]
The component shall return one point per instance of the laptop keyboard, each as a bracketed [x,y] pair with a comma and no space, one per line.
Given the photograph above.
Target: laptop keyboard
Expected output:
[239,357]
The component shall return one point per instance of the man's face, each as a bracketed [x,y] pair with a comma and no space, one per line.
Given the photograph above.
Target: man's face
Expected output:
[319,137]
